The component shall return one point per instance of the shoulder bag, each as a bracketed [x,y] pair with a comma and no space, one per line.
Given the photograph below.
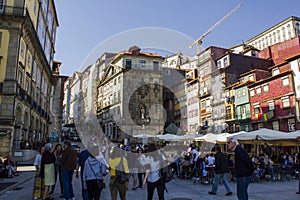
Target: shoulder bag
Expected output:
[120,173]
[100,184]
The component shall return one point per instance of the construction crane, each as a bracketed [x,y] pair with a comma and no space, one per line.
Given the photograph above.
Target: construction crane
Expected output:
[198,42]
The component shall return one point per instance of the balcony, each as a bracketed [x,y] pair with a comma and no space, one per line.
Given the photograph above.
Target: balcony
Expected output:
[228,116]
[11,10]
[34,105]
[244,116]
[21,92]
[28,98]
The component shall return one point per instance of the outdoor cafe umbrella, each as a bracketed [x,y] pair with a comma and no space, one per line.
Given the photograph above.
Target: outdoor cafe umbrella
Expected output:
[168,137]
[263,135]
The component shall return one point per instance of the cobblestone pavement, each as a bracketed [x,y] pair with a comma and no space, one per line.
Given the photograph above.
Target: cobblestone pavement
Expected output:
[178,190]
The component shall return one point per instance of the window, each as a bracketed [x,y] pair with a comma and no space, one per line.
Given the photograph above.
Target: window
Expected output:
[266,88]
[275,125]
[219,64]
[251,77]
[278,35]
[128,63]
[155,66]
[258,90]
[275,71]
[35,7]
[291,124]
[252,93]
[225,61]
[202,105]
[27,86]
[261,125]
[289,31]
[274,37]
[271,105]
[244,91]
[142,63]
[239,93]
[22,49]
[28,60]
[285,102]
[256,109]
[283,34]
[285,81]
[20,76]
[243,111]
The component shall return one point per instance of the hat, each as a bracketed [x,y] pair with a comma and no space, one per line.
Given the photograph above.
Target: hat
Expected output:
[48,146]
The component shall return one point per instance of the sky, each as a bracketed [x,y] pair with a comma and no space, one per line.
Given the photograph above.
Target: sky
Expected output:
[94,27]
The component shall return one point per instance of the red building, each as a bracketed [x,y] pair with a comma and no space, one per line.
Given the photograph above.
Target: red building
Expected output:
[272,102]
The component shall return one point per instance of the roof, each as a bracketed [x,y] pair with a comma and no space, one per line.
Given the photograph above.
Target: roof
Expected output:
[251,71]
[273,27]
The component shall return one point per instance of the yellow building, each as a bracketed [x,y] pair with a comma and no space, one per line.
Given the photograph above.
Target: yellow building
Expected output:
[27,40]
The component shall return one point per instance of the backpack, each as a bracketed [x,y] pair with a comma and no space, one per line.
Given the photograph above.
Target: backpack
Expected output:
[166,172]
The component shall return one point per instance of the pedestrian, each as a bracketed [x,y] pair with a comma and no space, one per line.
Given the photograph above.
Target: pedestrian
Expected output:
[57,154]
[221,169]
[93,174]
[133,168]
[9,166]
[243,168]
[117,159]
[38,186]
[152,177]
[68,165]
[47,170]
[83,156]
[141,161]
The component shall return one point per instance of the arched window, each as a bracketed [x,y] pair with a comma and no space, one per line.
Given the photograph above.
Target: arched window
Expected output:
[278,35]
[289,31]
[274,38]
[283,34]
[297,29]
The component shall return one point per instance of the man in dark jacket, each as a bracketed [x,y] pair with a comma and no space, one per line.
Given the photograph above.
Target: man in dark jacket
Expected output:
[221,169]
[243,168]
[68,165]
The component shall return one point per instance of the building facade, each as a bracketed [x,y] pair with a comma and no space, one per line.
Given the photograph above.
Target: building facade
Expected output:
[27,35]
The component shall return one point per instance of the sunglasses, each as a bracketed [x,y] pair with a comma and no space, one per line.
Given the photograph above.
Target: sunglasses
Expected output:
[229,142]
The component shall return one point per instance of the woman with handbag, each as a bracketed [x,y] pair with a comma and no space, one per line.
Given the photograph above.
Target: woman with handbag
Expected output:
[93,174]
[118,175]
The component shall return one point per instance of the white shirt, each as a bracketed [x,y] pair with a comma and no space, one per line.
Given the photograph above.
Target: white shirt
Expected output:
[38,160]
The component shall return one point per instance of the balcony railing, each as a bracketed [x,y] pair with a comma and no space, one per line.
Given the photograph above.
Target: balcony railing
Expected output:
[243,116]
[12,10]
[21,92]
[28,98]
[228,116]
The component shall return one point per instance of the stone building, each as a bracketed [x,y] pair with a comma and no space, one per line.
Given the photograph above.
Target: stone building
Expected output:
[129,95]
[27,38]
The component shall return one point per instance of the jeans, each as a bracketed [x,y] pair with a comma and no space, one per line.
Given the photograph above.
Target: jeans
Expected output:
[67,176]
[242,184]
[217,180]
[84,193]
[160,185]
[58,172]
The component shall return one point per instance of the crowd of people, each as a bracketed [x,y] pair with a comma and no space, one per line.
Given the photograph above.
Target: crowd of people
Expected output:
[141,165]
[50,164]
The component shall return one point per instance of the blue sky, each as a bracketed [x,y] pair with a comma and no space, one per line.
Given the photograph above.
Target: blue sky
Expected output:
[83,26]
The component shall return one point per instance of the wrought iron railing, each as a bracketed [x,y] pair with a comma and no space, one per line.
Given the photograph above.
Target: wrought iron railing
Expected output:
[12,10]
